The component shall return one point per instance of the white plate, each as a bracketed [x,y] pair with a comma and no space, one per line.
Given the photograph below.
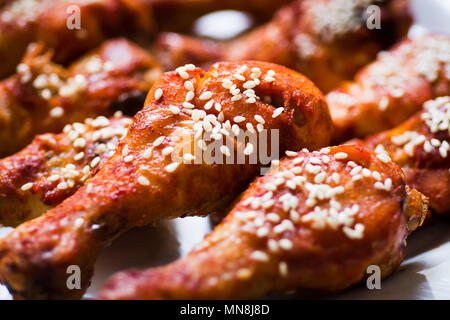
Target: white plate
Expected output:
[423,275]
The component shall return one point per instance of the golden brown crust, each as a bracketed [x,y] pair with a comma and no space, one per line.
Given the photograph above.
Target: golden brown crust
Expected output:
[311,36]
[136,187]
[43,97]
[54,166]
[421,147]
[297,227]
[391,89]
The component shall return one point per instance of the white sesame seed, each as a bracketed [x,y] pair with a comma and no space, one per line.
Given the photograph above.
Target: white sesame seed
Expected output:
[158,94]
[319,178]
[158,141]
[259,119]
[376,175]
[238,119]
[174,109]
[166,151]
[283,269]
[79,156]
[285,244]
[189,86]
[242,69]
[143,181]
[388,184]
[262,232]
[53,177]
[291,153]
[277,112]
[190,66]
[236,97]
[190,95]
[188,105]
[62,186]
[182,72]
[259,256]
[56,112]
[383,157]
[128,158]
[79,143]
[27,186]
[206,95]
[379,185]
[95,162]
[172,167]
[340,155]
[273,217]
[208,105]
[147,153]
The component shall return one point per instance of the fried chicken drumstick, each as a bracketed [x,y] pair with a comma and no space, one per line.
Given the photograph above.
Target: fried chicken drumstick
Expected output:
[54,23]
[393,88]
[316,221]
[43,97]
[54,166]
[421,146]
[145,180]
[326,40]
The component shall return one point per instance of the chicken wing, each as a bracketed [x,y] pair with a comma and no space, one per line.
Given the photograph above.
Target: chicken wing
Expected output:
[421,147]
[178,158]
[316,221]
[393,88]
[54,166]
[327,40]
[71,27]
[43,97]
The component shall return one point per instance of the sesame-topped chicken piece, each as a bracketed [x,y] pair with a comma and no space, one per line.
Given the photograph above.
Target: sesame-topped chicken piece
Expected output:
[421,146]
[326,40]
[190,151]
[43,97]
[71,27]
[393,88]
[316,220]
[54,166]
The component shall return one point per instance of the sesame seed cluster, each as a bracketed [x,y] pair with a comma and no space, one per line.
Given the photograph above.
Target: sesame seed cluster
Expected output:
[426,57]
[208,117]
[332,19]
[77,152]
[436,116]
[51,84]
[305,190]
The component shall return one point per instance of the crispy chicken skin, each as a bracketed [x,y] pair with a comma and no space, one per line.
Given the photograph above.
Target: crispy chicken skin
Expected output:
[43,97]
[316,221]
[326,40]
[421,147]
[48,21]
[54,166]
[145,180]
[393,88]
